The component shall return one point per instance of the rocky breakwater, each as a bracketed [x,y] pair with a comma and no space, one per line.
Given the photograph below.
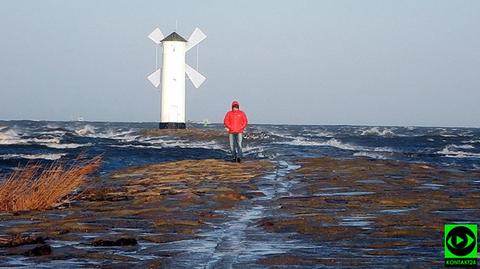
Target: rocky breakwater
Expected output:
[373,213]
[125,217]
[196,134]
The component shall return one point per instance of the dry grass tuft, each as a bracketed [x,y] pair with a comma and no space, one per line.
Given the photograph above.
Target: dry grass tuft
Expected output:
[35,188]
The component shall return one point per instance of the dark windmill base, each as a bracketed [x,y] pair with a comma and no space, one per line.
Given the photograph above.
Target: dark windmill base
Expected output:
[171,125]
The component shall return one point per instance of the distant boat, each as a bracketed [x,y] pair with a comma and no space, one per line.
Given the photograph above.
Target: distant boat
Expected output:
[80,119]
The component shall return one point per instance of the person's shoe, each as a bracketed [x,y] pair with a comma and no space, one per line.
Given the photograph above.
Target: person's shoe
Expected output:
[239,160]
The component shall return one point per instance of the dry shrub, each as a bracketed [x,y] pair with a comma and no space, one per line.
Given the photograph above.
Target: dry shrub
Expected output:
[33,187]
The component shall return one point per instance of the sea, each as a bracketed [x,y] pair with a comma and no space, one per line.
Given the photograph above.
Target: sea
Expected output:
[122,144]
[237,240]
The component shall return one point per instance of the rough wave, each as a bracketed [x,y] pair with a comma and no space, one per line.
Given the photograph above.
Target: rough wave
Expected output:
[373,155]
[86,130]
[378,131]
[453,151]
[299,141]
[10,137]
[66,146]
[51,157]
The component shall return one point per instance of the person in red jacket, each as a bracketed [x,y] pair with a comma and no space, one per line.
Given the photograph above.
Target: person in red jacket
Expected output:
[235,122]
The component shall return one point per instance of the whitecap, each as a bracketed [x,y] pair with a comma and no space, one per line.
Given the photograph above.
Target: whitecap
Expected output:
[10,137]
[372,155]
[137,146]
[320,134]
[464,146]
[453,151]
[377,131]
[86,130]
[123,136]
[53,132]
[192,144]
[52,140]
[299,141]
[51,157]
[338,144]
[66,145]
[174,144]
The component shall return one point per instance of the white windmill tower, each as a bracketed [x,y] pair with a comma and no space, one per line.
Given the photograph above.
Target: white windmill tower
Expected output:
[172,75]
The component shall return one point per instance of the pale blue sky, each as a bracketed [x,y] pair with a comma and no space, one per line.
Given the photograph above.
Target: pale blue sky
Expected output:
[298,62]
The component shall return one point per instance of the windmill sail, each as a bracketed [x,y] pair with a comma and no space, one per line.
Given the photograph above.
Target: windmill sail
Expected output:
[156,36]
[154,78]
[196,37]
[196,78]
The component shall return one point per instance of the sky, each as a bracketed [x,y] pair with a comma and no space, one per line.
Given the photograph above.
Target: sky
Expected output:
[407,63]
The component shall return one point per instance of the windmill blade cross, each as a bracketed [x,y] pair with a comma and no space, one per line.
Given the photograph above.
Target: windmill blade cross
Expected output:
[196,78]
[196,37]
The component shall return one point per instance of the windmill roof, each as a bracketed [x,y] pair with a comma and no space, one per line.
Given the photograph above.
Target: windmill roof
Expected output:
[174,37]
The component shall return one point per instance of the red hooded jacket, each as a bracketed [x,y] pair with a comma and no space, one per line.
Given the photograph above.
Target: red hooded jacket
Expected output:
[235,121]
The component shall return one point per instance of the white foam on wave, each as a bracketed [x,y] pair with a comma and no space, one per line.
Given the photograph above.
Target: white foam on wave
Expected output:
[338,144]
[51,140]
[377,131]
[373,155]
[282,135]
[461,146]
[137,146]
[10,137]
[53,132]
[166,142]
[448,135]
[319,134]
[254,150]
[192,144]
[85,130]
[299,141]
[66,146]
[453,151]
[51,157]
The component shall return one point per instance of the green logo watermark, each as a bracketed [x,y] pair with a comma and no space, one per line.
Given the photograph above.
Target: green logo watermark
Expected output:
[460,245]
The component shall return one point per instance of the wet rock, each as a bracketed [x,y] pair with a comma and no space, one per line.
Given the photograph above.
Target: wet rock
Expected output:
[166,202]
[283,260]
[232,196]
[189,133]
[208,215]
[19,240]
[340,204]
[39,251]
[124,241]
[30,250]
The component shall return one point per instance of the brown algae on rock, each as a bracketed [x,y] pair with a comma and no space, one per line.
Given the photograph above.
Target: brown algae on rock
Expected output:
[154,203]
[374,208]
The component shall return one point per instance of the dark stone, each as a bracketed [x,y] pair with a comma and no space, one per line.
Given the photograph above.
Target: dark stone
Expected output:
[39,251]
[21,240]
[267,224]
[29,250]
[124,241]
[172,125]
